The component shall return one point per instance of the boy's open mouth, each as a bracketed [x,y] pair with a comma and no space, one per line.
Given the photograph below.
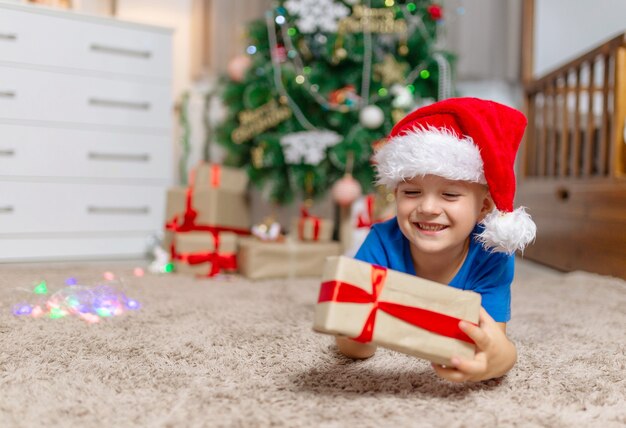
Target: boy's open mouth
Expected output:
[430,227]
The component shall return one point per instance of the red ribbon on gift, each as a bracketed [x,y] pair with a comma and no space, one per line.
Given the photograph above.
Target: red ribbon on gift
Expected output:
[435,322]
[218,261]
[188,221]
[304,217]
[367,220]
[216,172]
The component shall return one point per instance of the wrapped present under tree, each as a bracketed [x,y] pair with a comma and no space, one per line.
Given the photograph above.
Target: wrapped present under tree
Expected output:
[205,253]
[289,258]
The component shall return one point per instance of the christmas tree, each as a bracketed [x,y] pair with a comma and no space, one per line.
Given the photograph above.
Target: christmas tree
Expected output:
[321,85]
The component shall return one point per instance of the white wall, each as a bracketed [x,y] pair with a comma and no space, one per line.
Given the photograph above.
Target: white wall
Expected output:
[174,14]
[564,29]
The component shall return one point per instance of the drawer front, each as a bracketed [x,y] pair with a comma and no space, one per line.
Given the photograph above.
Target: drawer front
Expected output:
[72,247]
[31,207]
[70,99]
[64,40]
[33,151]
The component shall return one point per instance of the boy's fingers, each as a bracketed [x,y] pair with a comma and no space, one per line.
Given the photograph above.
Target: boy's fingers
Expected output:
[471,367]
[449,373]
[475,333]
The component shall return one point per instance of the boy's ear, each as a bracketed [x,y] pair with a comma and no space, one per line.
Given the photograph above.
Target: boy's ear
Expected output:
[488,206]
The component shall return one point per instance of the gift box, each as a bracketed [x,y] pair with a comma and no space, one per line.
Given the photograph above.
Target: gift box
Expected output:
[369,303]
[221,177]
[290,258]
[312,229]
[215,197]
[211,206]
[205,253]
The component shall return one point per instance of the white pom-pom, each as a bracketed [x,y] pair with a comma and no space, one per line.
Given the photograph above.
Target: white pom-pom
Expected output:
[507,232]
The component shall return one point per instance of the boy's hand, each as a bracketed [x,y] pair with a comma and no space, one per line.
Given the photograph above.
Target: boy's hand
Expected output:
[495,354]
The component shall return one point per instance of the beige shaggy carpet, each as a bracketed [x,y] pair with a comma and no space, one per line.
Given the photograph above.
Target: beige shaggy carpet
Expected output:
[239,353]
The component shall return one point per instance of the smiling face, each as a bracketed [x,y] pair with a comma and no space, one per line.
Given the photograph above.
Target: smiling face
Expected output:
[437,215]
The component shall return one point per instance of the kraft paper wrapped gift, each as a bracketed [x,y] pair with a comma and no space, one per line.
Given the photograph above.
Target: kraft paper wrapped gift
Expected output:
[312,229]
[214,207]
[395,310]
[221,177]
[291,258]
[205,253]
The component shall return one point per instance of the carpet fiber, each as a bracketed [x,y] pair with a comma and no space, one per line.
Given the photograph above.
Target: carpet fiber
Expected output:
[241,353]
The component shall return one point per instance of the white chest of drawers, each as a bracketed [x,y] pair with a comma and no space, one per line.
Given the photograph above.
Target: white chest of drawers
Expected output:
[85,134]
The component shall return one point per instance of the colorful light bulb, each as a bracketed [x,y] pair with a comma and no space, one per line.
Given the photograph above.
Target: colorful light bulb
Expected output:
[41,288]
[22,309]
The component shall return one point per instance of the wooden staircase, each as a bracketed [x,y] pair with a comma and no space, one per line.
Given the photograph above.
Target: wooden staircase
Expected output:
[572,173]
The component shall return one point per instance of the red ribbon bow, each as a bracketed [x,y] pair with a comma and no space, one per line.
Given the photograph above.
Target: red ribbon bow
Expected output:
[304,217]
[218,261]
[188,221]
[343,292]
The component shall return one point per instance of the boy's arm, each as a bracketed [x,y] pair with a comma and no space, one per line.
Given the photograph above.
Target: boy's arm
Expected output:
[495,353]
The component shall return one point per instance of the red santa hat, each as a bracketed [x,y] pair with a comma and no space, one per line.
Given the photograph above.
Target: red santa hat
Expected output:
[465,139]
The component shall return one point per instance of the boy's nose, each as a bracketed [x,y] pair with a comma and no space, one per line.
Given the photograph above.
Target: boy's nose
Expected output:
[428,205]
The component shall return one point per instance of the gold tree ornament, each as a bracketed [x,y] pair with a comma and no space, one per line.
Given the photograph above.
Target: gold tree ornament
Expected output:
[257,154]
[372,20]
[255,122]
[391,71]
[339,52]
[403,49]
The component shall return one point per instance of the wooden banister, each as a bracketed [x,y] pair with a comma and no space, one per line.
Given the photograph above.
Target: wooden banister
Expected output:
[576,116]
[605,48]
[572,166]
[618,137]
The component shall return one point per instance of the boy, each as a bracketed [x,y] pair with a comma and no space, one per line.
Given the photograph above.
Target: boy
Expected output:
[451,167]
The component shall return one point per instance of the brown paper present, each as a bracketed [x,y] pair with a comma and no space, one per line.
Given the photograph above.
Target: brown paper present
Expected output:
[221,177]
[213,207]
[312,229]
[205,253]
[290,258]
[175,203]
[412,315]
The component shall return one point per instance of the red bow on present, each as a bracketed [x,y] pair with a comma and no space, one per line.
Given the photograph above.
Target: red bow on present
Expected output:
[343,292]
[218,261]
[188,221]
[304,217]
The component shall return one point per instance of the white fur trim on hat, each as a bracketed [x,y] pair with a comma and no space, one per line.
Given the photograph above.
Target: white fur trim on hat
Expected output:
[424,151]
[507,232]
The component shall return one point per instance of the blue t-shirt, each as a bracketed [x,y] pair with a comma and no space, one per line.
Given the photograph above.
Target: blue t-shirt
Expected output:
[489,274]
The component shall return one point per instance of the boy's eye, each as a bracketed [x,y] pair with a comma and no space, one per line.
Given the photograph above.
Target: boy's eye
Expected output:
[411,192]
[451,195]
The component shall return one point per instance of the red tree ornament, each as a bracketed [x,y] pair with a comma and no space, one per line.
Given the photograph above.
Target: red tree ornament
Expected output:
[435,11]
